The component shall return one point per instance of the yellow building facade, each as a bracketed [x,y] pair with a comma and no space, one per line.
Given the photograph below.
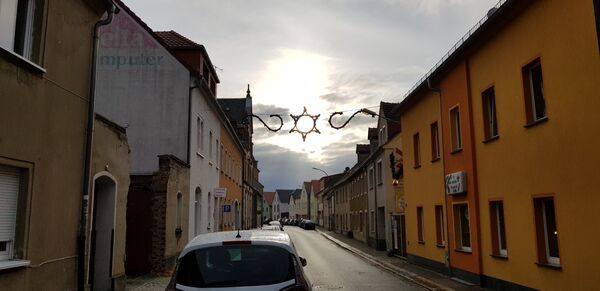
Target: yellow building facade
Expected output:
[230,178]
[423,181]
[540,164]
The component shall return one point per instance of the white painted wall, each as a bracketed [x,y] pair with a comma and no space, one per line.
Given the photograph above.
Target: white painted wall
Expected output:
[204,171]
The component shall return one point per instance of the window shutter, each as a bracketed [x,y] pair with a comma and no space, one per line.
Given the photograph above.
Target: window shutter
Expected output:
[9,190]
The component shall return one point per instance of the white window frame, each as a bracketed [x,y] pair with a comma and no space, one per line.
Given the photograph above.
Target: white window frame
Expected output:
[440,209]
[9,10]
[379,170]
[8,253]
[458,227]
[532,92]
[210,146]
[550,259]
[502,250]
[455,124]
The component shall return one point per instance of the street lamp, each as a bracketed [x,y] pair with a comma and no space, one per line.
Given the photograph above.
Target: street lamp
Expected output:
[320,170]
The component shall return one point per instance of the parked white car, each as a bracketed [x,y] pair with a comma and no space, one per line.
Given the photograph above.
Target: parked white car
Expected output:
[253,260]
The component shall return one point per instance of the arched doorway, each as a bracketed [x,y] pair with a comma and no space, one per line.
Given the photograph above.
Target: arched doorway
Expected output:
[102,234]
[198,211]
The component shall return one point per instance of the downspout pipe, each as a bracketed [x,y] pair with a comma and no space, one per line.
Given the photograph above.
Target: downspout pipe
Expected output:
[81,238]
[441,148]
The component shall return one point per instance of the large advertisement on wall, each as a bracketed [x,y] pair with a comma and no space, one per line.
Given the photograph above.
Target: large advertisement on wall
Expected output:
[143,88]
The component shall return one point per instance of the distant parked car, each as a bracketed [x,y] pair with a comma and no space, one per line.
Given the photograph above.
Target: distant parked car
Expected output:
[301,222]
[308,224]
[272,227]
[276,223]
[254,260]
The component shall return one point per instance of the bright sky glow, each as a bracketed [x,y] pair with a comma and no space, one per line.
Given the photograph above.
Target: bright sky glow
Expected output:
[327,55]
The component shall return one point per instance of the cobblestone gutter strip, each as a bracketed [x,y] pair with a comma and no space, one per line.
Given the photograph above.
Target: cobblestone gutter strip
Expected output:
[407,275]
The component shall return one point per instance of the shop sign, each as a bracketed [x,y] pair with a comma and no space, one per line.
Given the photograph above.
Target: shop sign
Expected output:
[456,183]
[220,192]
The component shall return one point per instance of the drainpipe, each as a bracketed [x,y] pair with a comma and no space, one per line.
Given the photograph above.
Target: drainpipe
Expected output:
[376,206]
[440,132]
[112,9]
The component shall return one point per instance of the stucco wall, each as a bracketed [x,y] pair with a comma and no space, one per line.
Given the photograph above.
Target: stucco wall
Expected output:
[111,158]
[204,172]
[42,125]
[424,186]
[558,157]
[143,88]
[231,179]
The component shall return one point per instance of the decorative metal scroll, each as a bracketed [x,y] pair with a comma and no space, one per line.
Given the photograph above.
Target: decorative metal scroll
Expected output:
[364,110]
[314,118]
[296,118]
[265,124]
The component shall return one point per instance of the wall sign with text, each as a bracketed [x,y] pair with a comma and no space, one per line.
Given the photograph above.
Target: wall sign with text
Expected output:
[456,183]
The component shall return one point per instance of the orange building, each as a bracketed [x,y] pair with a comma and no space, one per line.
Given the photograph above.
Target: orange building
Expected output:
[518,100]
[230,178]
[423,180]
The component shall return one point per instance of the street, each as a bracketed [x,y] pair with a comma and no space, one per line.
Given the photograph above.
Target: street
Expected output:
[333,268]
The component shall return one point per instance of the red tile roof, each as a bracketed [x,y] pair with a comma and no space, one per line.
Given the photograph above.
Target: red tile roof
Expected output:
[177,41]
[316,186]
[269,196]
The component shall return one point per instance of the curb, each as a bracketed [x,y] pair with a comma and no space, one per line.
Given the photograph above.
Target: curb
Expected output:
[405,274]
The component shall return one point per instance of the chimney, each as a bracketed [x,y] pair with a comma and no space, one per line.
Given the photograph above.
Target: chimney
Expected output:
[362,152]
[373,138]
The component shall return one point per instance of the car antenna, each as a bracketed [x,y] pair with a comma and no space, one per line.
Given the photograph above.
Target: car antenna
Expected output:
[238,234]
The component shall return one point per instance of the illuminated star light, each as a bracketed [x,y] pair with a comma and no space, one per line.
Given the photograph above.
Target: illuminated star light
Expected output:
[305,133]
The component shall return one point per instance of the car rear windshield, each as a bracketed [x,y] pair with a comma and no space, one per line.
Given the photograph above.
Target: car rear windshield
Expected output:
[235,265]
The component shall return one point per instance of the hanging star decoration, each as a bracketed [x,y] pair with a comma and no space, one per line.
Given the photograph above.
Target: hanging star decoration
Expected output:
[296,118]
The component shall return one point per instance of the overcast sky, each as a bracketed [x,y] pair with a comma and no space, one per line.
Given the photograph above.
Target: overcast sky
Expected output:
[327,55]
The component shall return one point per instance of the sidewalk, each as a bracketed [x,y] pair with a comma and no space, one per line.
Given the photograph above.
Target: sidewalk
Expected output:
[423,277]
[147,283]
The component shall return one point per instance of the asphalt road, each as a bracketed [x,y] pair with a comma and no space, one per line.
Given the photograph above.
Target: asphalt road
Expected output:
[333,268]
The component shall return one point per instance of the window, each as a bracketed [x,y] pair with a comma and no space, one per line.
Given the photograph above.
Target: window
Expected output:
[379,173]
[179,214]
[416,149]
[490,126]
[10,186]
[217,152]
[21,27]
[439,225]
[435,143]
[597,12]
[455,129]
[210,146]
[546,231]
[497,227]
[461,227]
[200,135]
[533,85]
[371,178]
[372,222]
[420,235]
[221,161]
[224,266]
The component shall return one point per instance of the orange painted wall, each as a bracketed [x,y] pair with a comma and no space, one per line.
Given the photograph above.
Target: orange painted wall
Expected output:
[424,185]
[558,157]
[455,92]
[230,177]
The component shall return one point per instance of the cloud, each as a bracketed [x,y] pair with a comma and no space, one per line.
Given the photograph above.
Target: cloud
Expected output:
[367,51]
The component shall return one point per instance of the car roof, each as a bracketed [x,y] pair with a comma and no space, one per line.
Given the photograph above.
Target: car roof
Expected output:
[263,237]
